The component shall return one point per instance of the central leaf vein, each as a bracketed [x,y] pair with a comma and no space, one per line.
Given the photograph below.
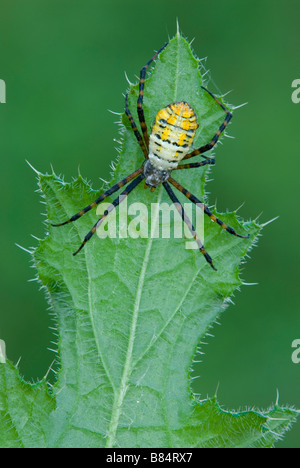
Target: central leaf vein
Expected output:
[128,365]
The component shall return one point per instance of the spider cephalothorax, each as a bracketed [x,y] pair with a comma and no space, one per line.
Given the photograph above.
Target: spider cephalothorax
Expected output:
[154,175]
[169,143]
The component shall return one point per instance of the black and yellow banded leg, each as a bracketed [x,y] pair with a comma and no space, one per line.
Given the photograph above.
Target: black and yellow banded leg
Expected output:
[197,164]
[111,207]
[141,95]
[205,208]
[134,128]
[214,140]
[188,222]
[102,197]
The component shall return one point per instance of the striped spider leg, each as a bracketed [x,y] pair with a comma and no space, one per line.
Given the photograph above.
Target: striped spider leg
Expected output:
[210,161]
[136,177]
[205,208]
[140,109]
[188,222]
[109,209]
[216,137]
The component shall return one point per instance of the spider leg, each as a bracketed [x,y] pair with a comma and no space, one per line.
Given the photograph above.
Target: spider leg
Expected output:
[134,128]
[205,208]
[188,222]
[214,140]
[140,109]
[104,195]
[197,164]
[111,207]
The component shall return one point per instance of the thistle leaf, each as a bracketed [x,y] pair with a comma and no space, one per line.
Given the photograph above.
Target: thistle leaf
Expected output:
[131,312]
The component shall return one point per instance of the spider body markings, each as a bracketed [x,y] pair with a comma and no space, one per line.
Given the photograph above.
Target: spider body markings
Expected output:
[171,137]
[170,141]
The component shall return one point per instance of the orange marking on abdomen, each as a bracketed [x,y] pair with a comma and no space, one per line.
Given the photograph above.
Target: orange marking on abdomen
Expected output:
[182,109]
[182,138]
[165,134]
[172,120]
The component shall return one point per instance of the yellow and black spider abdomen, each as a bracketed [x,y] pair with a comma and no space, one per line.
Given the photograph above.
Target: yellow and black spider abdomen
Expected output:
[172,134]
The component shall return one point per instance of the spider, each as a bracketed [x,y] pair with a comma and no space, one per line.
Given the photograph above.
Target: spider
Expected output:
[169,143]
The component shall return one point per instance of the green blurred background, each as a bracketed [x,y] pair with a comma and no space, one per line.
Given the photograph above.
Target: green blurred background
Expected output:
[63,63]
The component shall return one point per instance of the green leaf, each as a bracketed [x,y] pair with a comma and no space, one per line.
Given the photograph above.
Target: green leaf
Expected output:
[24,410]
[131,312]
